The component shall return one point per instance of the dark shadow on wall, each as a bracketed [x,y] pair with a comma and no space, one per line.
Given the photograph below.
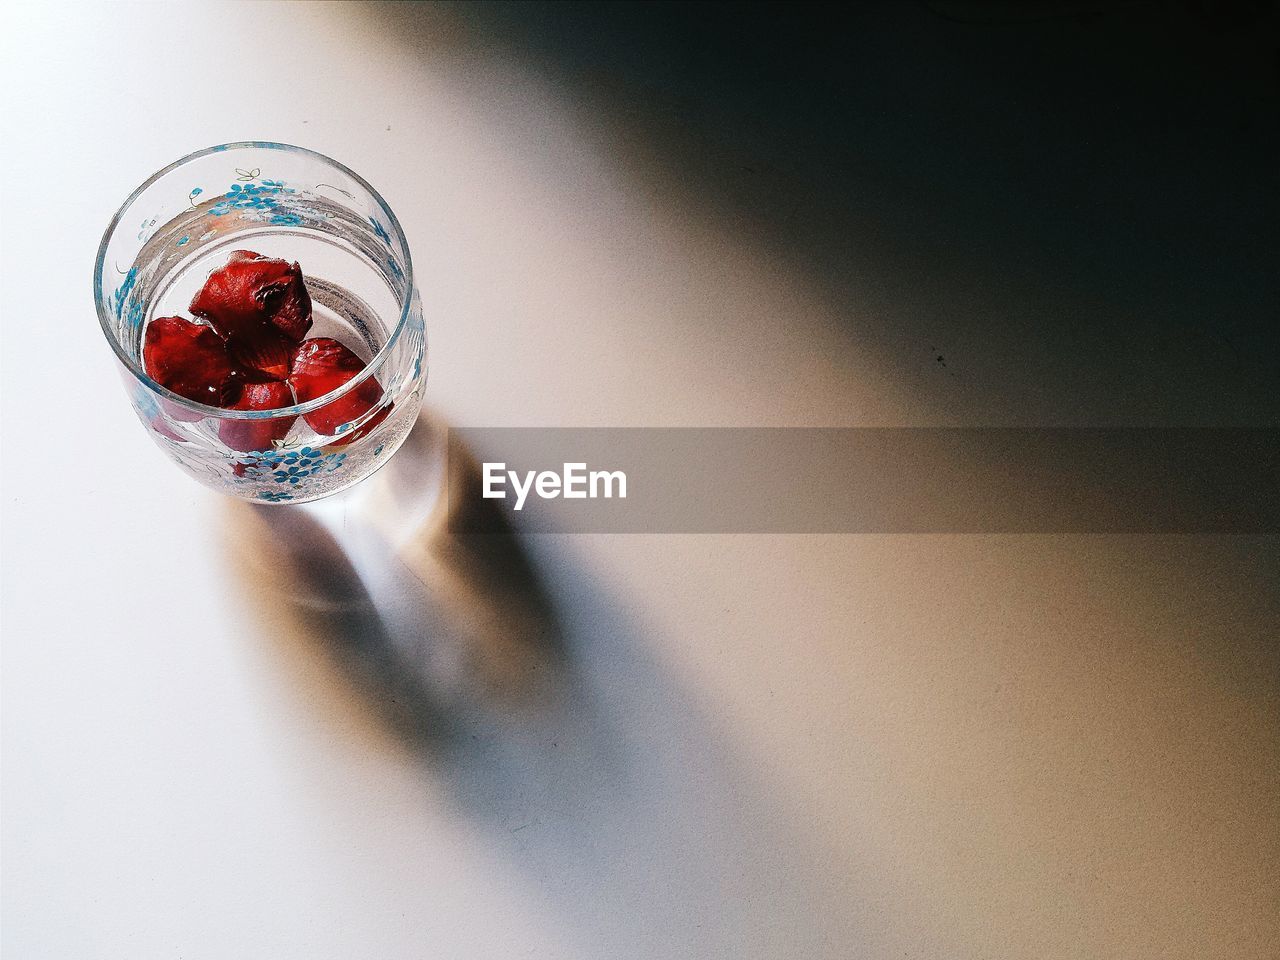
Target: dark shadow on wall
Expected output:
[1068,209]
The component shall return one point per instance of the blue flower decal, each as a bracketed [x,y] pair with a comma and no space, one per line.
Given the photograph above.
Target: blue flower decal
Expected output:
[274,496]
[127,309]
[302,457]
[290,468]
[381,231]
[293,475]
[247,195]
[123,291]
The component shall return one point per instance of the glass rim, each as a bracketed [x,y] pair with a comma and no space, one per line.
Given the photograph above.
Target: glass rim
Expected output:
[297,409]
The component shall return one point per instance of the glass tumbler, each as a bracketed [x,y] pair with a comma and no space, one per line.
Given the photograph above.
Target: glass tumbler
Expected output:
[290,203]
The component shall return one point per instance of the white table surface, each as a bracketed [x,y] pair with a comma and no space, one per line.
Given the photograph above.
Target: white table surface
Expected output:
[754,746]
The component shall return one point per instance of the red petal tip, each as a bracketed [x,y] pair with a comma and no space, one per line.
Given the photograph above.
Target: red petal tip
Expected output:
[322,365]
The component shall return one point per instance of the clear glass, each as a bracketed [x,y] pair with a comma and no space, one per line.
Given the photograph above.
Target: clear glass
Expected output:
[280,201]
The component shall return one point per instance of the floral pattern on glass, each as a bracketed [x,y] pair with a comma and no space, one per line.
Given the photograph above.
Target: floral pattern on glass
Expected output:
[128,310]
[291,468]
[261,196]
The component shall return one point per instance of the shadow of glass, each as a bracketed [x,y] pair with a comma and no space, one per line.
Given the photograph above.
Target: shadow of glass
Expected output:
[425,626]
[519,688]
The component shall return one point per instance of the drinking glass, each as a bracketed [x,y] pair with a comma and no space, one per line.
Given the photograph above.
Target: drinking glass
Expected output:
[295,204]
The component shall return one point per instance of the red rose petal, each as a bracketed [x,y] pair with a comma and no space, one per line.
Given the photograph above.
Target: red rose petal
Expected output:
[162,428]
[188,358]
[268,352]
[245,435]
[252,290]
[322,365]
[351,436]
[262,308]
[175,412]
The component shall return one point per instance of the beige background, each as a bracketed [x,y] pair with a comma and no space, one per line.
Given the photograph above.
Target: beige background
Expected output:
[712,746]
